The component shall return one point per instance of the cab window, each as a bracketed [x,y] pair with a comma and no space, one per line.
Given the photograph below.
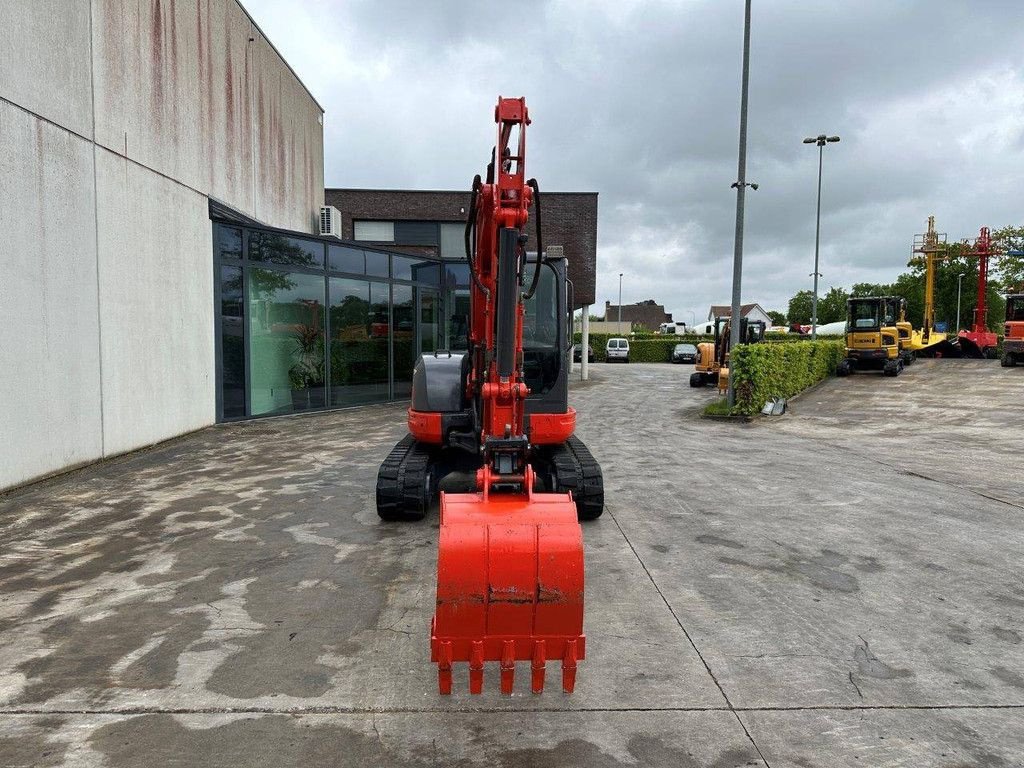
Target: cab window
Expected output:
[864,315]
[542,354]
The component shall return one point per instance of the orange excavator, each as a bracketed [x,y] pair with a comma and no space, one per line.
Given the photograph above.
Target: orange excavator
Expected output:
[491,431]
[1013,340]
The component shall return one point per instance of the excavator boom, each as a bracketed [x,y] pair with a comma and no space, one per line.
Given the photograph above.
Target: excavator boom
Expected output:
[510,557]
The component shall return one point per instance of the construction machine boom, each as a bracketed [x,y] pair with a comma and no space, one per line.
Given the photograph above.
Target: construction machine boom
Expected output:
[929,247]
[978,340]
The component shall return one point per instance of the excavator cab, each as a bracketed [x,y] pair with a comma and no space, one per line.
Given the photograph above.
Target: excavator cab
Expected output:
[872,335]
[1013,331]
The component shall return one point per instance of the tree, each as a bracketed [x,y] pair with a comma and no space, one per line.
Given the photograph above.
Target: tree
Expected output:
[832,306]
[799,310]
[871,289]
[1011,268]
[777,317]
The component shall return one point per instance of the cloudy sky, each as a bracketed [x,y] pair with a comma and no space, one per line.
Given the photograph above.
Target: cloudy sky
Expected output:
[639,101]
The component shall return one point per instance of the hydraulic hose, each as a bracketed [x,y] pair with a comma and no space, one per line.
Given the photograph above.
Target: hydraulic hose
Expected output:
[532,183]
[470,245]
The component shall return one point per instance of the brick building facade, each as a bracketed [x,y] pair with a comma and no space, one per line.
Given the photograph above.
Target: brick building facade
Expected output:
[569,220]
[645,314]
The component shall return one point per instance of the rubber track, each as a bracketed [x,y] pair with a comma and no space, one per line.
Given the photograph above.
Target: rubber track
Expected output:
[402,492]
[578,472]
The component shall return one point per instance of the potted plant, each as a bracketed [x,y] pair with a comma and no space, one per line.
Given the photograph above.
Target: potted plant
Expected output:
[306,376]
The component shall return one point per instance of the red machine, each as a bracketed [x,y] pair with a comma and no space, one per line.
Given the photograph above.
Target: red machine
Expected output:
[492,430]
[979,341]
[1013,338]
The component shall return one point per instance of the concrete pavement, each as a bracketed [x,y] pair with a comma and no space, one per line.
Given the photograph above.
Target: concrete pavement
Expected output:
[833,587]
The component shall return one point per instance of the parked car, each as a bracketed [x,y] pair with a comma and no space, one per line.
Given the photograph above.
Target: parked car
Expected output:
[684,353]
[617,350]
[577,353]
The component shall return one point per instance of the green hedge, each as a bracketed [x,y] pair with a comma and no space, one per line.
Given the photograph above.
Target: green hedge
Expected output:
[760,372]
[656,348]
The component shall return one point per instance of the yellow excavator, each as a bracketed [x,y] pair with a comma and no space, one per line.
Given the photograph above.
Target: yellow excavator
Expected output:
[874,326]
[712,366]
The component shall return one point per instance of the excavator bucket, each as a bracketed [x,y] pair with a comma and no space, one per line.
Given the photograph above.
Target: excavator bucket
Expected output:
[509,587]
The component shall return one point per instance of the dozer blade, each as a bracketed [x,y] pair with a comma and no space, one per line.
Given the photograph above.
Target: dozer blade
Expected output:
[509,587]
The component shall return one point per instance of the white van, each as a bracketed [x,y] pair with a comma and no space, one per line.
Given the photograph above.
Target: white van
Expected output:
[617,349]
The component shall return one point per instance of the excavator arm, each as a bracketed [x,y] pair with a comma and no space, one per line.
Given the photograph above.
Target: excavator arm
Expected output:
[510,558]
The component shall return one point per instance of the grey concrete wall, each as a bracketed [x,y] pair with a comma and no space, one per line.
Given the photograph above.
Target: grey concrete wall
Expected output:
[156,313]
[45,55]
[49,328]
[181,89]
[118,119]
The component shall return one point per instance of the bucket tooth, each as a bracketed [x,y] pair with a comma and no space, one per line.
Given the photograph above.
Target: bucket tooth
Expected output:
[508,666]
[569,667]
[444,669]
[476,667]
[537,667]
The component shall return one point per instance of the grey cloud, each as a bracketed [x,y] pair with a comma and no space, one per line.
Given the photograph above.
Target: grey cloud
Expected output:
[639,101]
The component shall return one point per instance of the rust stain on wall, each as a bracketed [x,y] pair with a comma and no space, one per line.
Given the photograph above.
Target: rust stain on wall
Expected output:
[185,91]
[175,76]
[156,49]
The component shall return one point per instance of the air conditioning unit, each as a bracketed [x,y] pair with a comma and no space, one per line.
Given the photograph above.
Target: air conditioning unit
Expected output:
[330,221]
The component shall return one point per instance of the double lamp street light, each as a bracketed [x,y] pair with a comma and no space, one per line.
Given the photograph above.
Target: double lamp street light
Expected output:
[821,141]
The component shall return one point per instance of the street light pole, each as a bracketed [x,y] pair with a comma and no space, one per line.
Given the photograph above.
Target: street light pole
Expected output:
[740,185]
[820,141]
[959,283]
[620,303]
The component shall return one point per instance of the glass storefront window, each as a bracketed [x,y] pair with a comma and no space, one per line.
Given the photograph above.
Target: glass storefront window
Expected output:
[281,249]
[360,327]
[456,274]
[232,341]
[427,272]
[229,242]
[377,264]
[404,349]
[420,270]
[342,258]
[294,340]
[286,341]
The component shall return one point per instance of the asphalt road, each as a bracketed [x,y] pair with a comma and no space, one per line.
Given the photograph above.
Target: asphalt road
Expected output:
[840,586]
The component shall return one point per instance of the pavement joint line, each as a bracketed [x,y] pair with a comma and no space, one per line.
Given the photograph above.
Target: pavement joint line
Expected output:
[913,473]
[330,710]
[700,655]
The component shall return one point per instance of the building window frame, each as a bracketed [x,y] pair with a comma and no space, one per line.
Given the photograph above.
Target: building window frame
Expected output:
[325,273]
